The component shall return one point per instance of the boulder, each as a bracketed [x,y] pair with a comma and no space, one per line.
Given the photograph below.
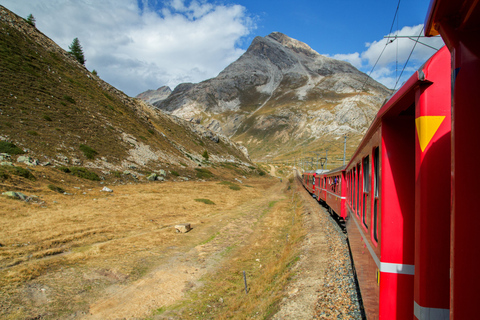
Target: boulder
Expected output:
[152,177]
[105,189]
[28,160]
[183,227]
[162,172]
[5,157]
[16,195]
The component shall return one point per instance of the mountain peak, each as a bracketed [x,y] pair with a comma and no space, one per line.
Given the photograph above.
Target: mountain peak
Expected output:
[291,43]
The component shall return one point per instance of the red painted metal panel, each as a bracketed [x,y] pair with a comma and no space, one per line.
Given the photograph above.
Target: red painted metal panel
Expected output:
[458,22]
[432,185]
[393,288]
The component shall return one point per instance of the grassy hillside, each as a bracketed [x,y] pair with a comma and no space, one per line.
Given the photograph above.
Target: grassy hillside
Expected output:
[52,107]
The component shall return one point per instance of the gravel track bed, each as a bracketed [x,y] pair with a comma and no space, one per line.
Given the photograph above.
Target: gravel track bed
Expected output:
[337,297]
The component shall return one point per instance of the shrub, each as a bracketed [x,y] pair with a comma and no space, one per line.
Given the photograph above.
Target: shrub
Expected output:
[88,151]
[46,117]
[10,148]
[18,171]
[231,185]
[261,172]
[84,173]
[80,172]
[206,201]
[174,173]
[32,133]
[64,169]
[25,173]
[69,99]
[55,188]
[203,173]
[116,174]
[205,155]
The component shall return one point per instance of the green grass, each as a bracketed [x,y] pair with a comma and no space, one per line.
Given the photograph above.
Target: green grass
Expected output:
[206,201]
[203,173]
[89,152]
[174,173]
[80,172]
[69,99]
[17,171]
[55,188]
[231,185]
[10,148]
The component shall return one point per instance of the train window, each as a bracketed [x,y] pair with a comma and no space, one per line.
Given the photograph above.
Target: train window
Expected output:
[376,183]
[366,189]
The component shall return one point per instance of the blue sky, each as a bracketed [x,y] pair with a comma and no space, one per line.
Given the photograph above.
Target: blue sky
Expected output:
[143,44]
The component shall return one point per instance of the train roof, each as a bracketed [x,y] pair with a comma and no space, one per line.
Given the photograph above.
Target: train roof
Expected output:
[465,13]
[336,170]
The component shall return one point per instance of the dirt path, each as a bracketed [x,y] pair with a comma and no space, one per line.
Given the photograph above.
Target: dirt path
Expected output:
[310,270]
[273,171]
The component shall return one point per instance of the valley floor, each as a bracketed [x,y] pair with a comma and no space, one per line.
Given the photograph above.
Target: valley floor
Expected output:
[100,255]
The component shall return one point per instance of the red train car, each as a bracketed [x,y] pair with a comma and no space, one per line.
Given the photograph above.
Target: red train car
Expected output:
[398,200]
[411,182]
[309,180]
[320,191]
[458,22]
[334,190]
[397,207]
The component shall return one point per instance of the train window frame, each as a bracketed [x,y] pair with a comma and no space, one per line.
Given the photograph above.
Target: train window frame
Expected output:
[357,195]
[365,188]
[376,193]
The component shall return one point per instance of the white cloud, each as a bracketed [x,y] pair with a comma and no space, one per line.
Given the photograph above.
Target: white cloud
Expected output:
[395,53]
[136,49]
[353,58]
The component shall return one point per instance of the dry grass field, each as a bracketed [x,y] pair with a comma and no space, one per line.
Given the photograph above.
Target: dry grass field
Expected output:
[98,255]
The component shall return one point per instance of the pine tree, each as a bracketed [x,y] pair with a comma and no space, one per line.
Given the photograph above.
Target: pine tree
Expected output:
[31,19]
[77,51]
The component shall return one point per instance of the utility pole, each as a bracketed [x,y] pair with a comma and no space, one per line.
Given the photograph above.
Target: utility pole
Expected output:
[326,158]
[317,158]
[344,149]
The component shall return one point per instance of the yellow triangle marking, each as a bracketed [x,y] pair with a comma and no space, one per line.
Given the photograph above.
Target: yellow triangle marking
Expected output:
[427,126]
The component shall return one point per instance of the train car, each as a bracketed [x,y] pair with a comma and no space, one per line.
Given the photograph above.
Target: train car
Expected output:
[398,189]
[320,191]
[309,180]
[334,194]
[458,22]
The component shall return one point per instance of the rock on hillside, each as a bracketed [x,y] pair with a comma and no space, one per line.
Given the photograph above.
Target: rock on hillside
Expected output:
[278,93]
[52,107]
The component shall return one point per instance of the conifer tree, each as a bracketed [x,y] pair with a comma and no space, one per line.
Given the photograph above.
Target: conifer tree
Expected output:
[77,51]
[31,19]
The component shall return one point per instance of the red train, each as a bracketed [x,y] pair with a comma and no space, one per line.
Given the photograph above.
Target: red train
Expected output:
[407,195]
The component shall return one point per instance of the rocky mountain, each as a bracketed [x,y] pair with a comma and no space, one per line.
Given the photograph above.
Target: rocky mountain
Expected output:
[281,97]
[153,96]
[59,113]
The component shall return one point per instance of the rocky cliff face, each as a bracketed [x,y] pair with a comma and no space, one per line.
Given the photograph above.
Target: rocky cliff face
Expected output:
[278,93]
[152,96]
